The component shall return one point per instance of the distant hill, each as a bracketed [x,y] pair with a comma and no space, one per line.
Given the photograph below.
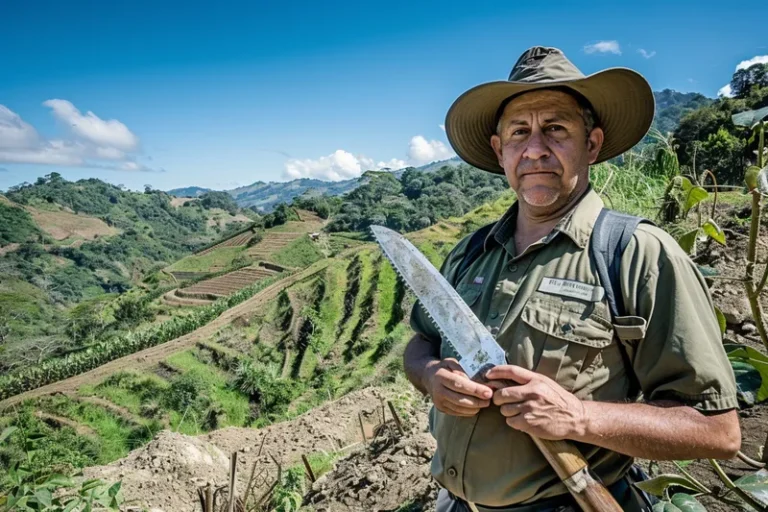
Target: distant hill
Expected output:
[189,191]
[671,106]
[265,196]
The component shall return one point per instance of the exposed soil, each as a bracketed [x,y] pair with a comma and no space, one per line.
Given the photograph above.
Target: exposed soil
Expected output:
[62,225]
[166,473]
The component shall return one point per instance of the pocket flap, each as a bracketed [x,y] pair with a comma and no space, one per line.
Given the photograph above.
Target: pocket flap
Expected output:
[566,321]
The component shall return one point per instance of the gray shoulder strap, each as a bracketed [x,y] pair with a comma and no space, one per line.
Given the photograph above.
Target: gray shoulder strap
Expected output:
[610,236]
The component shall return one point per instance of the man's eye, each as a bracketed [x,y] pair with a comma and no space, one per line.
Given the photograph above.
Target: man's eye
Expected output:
[555,128]
[520,131]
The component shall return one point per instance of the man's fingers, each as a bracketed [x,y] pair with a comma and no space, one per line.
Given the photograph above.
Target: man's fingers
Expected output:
[512,410]
[462,384]
[511,372]
[465,400]
[456,410]
[513,395]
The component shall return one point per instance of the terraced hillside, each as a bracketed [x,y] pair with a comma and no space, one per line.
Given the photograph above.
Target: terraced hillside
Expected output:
[212,289]
[238,240]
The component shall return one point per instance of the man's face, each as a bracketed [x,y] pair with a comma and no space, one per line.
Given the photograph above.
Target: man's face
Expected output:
[544,149]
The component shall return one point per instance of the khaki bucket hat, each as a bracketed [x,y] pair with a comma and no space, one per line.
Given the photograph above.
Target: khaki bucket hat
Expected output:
[621,98]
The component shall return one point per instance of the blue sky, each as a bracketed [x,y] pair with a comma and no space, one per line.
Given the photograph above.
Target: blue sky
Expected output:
[220,94]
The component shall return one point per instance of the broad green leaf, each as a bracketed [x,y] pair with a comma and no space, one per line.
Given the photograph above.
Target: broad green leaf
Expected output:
[756,359]
[683,463]
[748,382]
[91,484]
[44,496]
[750,177]
[685,184]
[694,197]
[7,433]
[59,480]
[756,485]
[657,485]
[720,320]
[688,241]
[114,489]
[714,231]
[750,118]
[762,180]
[687,503]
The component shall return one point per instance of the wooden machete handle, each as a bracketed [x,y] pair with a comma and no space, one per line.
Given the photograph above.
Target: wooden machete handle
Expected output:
[573,470]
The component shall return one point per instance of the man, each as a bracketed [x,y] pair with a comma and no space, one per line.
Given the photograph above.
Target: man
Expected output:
[543,128]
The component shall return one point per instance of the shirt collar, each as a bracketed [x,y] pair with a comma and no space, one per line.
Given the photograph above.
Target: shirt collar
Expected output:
[577,224]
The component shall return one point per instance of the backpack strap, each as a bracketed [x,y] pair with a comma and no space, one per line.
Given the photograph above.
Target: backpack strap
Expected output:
[610,237]
[475,248]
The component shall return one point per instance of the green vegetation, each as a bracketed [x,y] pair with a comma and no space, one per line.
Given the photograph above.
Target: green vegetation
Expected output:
[221,200]
[300,253]
[416,200]
[221,258]
[16,225]
[104,351]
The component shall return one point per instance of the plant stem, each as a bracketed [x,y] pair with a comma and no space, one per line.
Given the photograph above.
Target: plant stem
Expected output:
[750,462]
[742,494]
[702,488]
[753,294]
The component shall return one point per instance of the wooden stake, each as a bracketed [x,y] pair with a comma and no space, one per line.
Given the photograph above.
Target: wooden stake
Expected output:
[209,498]
[396,417]
[765,450]
[309,468]
[362,429]
[232,482]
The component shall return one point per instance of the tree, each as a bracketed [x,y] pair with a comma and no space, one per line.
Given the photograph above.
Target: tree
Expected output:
[744,80]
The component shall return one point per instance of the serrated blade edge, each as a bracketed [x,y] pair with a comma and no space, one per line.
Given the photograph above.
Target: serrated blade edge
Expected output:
[457,324]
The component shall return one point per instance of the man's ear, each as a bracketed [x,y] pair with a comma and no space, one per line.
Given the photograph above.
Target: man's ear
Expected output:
[496,145]
[594,143]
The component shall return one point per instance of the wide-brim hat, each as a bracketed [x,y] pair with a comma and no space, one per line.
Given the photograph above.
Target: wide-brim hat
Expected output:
[621,99]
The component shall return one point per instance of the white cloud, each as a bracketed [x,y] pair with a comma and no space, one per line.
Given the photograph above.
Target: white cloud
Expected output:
[14,132]
[757,59]
[646,53]
[93,142]
[725,91]
[343,165]
[603,47]
[90,127]
[422,151]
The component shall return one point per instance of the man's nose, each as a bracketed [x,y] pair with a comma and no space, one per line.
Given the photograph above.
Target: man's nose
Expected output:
[537,147]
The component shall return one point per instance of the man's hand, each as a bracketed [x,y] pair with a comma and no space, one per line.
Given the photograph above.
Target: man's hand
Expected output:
[453,392]
[538,405]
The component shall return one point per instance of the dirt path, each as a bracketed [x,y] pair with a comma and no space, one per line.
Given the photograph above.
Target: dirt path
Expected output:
[153,355]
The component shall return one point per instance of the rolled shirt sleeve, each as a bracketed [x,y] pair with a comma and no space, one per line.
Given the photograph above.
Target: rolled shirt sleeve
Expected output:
[681,357]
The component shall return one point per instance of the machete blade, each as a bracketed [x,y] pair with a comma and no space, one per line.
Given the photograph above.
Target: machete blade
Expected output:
[474,346]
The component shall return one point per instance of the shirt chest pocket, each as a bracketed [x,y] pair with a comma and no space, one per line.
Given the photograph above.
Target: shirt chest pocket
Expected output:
[572,342]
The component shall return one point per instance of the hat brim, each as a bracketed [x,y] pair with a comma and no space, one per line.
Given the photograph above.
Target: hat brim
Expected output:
[622,99]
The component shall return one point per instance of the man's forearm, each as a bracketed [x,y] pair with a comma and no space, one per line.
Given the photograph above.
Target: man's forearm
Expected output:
[419,355]
[661,431]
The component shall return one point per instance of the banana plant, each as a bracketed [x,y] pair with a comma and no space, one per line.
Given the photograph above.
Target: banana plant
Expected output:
[31,491]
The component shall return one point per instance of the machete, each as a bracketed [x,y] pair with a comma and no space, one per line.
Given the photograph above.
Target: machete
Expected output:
[477,351]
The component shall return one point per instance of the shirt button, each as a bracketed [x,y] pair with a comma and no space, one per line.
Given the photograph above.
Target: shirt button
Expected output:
[494,330]
[452,472]
[513,267]
[495,314]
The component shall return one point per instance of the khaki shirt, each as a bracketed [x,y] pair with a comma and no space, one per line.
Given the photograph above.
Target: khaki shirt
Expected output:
[671,334]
